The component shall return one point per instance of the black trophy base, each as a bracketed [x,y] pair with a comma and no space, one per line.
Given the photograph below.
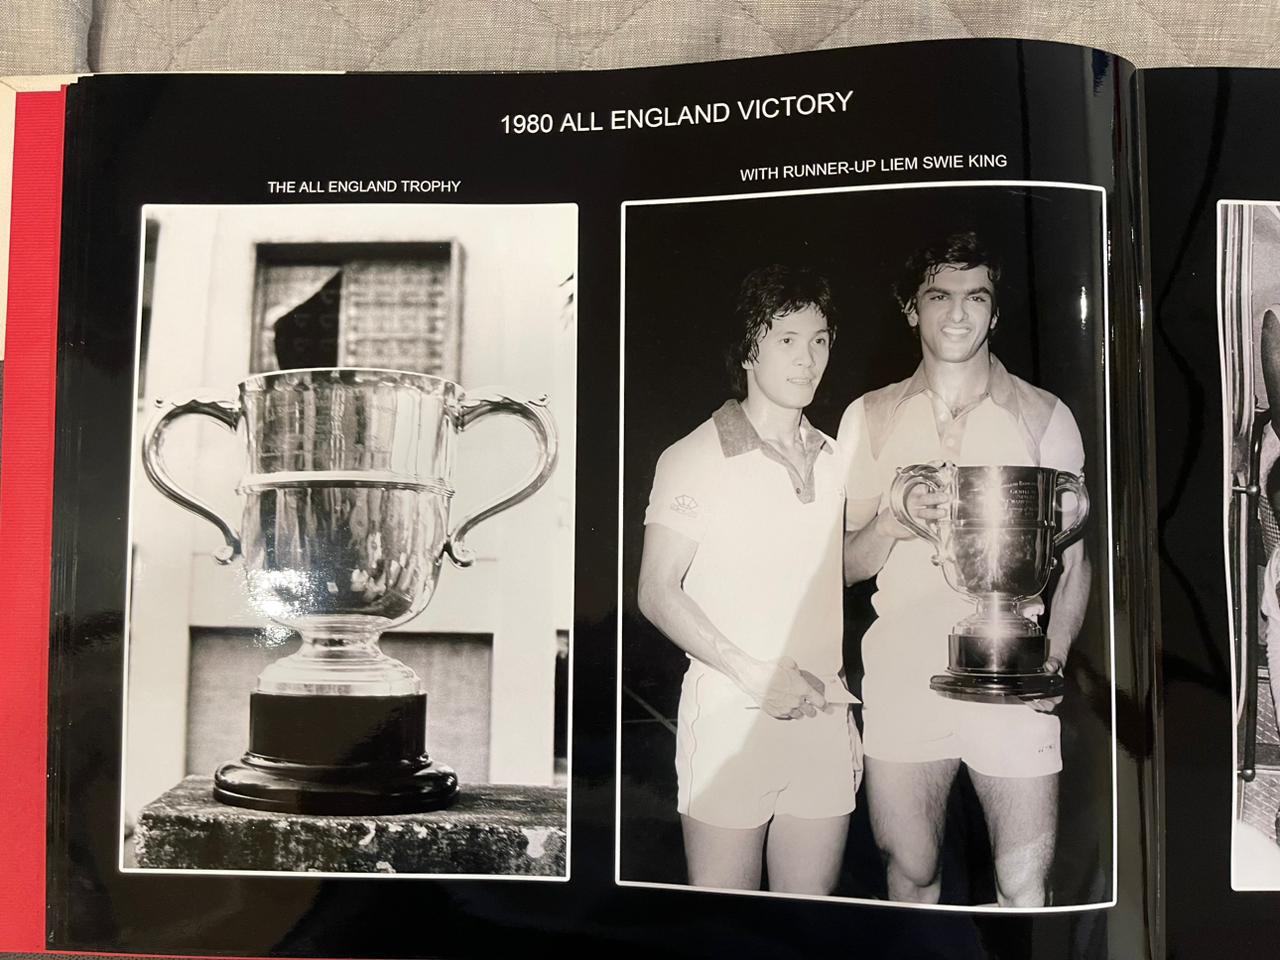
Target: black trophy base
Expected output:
[336,755]
[993,688]
[261,785]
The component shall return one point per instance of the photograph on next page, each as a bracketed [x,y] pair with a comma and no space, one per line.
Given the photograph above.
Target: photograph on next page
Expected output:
[866,633]
[1249,334]
[348,629]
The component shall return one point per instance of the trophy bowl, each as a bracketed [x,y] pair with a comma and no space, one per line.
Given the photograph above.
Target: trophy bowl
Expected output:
[997,545]
[346,522]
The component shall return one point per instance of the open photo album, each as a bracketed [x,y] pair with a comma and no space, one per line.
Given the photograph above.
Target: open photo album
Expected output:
[826,502]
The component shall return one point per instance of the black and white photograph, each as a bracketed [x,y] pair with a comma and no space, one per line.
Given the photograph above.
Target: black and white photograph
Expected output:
[866,606]
[350,577]
[1249,333]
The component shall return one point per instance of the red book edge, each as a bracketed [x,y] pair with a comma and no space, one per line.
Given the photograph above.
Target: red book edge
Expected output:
[26,502]
[26,516]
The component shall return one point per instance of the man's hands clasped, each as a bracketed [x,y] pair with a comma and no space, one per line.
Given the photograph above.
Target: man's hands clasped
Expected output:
[783,690]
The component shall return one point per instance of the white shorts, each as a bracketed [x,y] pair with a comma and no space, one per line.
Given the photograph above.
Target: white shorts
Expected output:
[738,767]
[910,725]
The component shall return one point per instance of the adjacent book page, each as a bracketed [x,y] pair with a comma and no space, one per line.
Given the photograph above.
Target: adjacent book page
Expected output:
[1215,252]
[638,506]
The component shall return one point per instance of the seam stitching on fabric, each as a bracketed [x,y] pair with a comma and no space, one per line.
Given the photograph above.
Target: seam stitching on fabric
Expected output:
[181,45]
[844,21]
[1076,21]
[422,15]
[343,17]
[614,32]
[1142,6]
[765,30]
[959,20]
[559,28]
[142,19]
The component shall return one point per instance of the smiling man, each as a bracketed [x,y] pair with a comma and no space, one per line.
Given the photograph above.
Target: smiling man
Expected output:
[741,569]
[961,405]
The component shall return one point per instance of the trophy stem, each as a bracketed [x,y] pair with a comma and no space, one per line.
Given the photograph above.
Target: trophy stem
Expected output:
[998,613]
[339,656]
[997,655]
[337,727]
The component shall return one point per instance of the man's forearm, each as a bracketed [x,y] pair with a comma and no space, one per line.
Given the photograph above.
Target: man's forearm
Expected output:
[685,624]
[1068,605]
[865,552]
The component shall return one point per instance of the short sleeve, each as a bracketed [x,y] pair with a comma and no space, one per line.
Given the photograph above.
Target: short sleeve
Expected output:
[1061,447]
[862,479]
[679,498]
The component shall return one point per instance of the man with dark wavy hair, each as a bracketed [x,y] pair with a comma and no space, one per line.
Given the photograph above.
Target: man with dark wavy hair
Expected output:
[961,405]
[741,569]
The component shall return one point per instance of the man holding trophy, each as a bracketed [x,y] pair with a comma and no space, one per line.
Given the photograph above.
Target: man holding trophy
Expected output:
[975,459]
[741,569]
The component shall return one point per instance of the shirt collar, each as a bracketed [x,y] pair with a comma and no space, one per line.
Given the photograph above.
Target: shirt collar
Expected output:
[1000,387]
[738,435]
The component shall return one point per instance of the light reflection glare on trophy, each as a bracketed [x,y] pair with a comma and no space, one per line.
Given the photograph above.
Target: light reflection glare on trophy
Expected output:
[346,521]
[996,545]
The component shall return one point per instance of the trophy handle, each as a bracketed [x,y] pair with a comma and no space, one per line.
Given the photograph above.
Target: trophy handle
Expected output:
[1070,482]
[227,413]
[476,406]
[907,479]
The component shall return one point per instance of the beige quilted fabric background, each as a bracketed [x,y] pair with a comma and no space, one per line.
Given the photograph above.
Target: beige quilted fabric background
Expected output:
[44,36]
[58,36]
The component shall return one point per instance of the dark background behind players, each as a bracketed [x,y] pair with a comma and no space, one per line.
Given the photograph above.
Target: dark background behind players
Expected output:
[683,265]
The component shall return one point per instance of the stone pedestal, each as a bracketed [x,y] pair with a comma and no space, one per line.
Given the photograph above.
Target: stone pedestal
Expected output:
[491,830]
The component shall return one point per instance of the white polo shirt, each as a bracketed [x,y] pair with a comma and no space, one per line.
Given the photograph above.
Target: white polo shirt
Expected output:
[767,571]
[1013,423]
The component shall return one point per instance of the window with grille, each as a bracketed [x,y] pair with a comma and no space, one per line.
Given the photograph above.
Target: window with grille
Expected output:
[389,305]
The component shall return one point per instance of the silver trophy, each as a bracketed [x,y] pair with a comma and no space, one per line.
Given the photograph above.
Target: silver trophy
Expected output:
[346,521]
[997,546]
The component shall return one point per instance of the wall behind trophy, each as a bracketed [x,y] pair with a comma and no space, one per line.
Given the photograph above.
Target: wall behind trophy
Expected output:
[489,644]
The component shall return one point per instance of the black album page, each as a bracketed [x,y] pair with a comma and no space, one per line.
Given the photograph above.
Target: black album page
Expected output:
[1215,268]
[739,471]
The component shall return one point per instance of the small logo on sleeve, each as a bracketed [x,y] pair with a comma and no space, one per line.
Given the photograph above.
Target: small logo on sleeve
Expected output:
[685,505]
